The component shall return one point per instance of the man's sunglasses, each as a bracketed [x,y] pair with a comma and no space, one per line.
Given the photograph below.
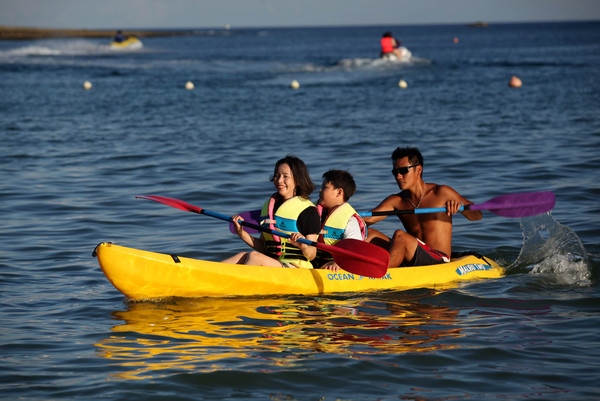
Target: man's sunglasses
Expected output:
[402,170]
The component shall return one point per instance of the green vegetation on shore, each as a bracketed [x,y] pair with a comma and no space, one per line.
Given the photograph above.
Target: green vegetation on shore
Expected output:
[24,33]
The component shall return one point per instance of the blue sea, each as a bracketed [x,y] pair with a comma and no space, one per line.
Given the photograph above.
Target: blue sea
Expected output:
[73,160]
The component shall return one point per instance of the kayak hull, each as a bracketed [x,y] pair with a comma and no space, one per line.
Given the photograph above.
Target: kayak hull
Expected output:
[143,275]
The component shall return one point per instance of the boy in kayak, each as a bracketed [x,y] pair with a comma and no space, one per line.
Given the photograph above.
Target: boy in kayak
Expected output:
[427,238]
[338,219]
[287,210]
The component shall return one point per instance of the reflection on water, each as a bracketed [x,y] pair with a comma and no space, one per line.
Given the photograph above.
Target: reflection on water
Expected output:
[205,335]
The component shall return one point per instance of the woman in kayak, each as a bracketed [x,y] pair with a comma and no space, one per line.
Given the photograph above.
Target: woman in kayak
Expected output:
[287,210]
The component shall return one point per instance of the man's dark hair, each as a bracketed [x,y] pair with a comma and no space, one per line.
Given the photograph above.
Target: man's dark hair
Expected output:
[413,154]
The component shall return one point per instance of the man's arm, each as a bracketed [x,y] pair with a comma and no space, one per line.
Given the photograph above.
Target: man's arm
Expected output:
[386,204]
[455,201]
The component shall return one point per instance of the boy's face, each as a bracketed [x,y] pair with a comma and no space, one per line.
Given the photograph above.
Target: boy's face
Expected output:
[329,196]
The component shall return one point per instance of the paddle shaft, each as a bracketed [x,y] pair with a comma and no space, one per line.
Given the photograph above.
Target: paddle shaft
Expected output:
[257,227]
[412,211]
[511,205]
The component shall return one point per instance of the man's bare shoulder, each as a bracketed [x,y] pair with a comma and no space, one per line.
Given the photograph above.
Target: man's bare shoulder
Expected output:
[442,190]
[393,201]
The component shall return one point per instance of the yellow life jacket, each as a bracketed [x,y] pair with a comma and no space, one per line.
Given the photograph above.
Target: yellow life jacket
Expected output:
[284,219]
[333,228]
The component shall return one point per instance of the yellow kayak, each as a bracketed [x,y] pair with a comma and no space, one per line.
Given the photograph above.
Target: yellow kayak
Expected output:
[143,275]
[130,43]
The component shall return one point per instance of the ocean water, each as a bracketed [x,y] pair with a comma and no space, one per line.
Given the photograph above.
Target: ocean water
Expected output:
[73,160]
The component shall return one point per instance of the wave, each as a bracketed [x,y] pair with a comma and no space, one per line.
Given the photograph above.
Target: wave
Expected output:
[379,63]
[58,48]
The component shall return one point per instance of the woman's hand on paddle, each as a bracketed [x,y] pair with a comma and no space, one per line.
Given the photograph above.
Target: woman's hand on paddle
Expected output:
[239,229]
[254,242]
[294,237]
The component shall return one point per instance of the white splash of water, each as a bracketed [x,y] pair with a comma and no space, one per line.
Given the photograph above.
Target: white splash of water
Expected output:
[553,250]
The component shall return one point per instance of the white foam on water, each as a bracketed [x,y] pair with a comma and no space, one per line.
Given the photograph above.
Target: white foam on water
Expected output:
[379,63]
[565,269]
[55,48]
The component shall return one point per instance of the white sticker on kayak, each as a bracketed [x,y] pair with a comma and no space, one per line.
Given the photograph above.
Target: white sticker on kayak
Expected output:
[462,270]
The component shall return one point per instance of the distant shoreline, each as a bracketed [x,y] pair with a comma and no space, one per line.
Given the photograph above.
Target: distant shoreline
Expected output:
[23,33]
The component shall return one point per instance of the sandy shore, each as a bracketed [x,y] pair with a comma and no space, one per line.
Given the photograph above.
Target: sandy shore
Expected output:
[23,33]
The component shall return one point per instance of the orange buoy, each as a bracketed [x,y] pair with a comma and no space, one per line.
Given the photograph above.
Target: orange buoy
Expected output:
[515,82]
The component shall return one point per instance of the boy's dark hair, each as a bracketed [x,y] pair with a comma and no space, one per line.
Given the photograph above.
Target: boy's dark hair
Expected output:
[304,185]
[413,154]
[341,179]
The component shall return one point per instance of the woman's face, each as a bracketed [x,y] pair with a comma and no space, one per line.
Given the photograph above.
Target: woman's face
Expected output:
[284,181]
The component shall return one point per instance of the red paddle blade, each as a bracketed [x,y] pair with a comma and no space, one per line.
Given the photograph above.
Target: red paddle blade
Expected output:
[519,205]
[359,257]
[179,204]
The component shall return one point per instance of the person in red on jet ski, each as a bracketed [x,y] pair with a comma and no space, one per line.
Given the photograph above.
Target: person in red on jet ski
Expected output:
[390,45]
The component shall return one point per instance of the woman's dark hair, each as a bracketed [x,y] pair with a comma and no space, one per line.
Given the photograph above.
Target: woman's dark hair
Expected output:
[304,185]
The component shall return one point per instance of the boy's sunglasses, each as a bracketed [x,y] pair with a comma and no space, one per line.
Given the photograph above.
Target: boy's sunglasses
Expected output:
[402,170]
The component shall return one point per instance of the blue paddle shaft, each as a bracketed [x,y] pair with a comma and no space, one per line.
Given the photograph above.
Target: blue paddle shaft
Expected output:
[256,227]
[412,211]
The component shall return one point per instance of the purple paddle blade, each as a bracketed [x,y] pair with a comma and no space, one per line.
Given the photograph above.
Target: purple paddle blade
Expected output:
[253,216]
[519,205]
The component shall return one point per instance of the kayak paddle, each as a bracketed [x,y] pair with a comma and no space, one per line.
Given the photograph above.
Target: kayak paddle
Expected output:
[511,205]
[352,255]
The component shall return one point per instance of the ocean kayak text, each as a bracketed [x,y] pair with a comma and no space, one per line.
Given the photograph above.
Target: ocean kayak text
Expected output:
[350,276]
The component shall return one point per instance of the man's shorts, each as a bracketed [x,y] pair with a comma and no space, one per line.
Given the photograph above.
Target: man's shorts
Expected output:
[426,255]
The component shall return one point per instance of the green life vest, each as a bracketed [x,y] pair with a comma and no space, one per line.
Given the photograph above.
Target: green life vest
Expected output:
[284,219]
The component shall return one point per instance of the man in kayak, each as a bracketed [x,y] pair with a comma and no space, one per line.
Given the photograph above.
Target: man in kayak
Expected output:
[427,238]
[339,220]
[390,45]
